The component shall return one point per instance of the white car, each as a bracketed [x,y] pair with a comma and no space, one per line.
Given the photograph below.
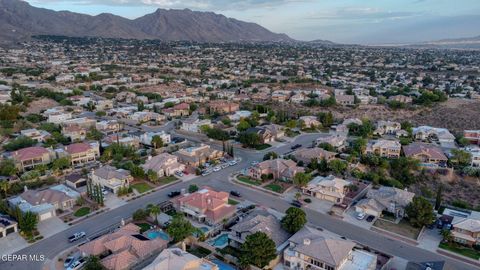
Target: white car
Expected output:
[233,162]
[216,169]
[360,216]
[77,264]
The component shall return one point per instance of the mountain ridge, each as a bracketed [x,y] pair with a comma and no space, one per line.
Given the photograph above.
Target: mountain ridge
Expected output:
[19,20]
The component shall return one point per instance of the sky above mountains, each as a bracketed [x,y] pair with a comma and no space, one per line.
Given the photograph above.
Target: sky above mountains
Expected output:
[343,21]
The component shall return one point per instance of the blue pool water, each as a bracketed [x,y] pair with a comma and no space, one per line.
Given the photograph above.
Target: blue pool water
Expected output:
[203,229]
[223,265]
[156,234]
[220,241]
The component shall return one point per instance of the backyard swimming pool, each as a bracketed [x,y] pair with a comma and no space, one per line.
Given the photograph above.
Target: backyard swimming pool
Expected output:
[222,265]
[220,241]
[156,234]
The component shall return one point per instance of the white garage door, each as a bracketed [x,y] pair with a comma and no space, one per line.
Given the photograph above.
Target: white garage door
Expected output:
[45,216]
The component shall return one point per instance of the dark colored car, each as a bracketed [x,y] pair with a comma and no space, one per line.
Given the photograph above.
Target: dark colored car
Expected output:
[370,218]
[235,193]
[296,146]
[296,203]
[173,194]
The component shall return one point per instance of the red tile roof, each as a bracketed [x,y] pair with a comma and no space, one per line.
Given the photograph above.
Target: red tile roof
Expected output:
[77,148]
[29,153]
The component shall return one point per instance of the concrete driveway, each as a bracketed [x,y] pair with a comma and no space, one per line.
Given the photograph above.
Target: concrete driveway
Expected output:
[430,239]
[112,201]
[12,243]
[350,217]
[51,226]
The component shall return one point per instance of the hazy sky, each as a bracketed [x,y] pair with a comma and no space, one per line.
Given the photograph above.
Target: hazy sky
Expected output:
[346,21]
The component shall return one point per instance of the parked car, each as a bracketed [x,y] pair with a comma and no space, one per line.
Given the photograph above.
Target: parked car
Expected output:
[76,236]
[296,146]
[370,218]
[178,173]
[296,203]
[207,172]
[70,260]
[235,193]
[360,216]
[217,168]
[233,162]
[77,264]
[174,194]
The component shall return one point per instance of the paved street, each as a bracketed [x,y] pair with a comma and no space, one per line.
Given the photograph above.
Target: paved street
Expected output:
[58,242]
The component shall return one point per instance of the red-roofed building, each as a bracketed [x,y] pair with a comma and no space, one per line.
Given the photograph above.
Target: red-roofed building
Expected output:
[82,153]
[29,157]
[205,205]
[429,155]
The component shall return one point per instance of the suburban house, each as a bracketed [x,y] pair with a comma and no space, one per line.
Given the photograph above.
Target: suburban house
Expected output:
[7,225]
[264,134]
[282,169]
[259,221]
[75,180]
[306,155]
[125,140]
[310,248]
[35,134]
[163,164]
[197,155]
[45,202]
[110,178]
[384,148]
[345,100]
[123,248]
[473,136]
[74,133]
[146,138]
[401,99]
[83,122]
[206,206]
[328,188]
[310,121]
[178,110]
[178,259]
[475,155]
[239,115]
[429,155]
[142,117]
[465,226]
[28,158]
[387,127]
[276,131]
[59,117]
[108,126]
[194,124]
[425,133]
[388,199]
[223,107]
[82,153]
[336,140]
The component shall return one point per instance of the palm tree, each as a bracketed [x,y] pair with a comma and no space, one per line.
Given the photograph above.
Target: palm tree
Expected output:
[28,222]
[155,210]
[4,186]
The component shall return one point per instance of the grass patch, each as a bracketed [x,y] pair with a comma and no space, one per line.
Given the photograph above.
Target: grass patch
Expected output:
[263,146]
[141,187]
[462,250]
[274,188]
[232,202]
[200,252]
[402,228]
[143,227]
[167,180]
[230,250]
[82,212]
[248,180]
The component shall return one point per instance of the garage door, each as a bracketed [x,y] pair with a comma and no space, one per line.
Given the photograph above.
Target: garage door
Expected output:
[45,216]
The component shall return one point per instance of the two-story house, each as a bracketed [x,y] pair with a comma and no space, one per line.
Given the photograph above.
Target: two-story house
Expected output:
[329,188]
[110,178]
[163,164]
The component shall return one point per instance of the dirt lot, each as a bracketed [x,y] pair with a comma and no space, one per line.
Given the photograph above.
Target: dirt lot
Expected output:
[37,106]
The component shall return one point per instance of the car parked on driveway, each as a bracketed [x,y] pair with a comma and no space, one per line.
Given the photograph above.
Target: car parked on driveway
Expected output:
[370,218]
[77,264]
[360,215]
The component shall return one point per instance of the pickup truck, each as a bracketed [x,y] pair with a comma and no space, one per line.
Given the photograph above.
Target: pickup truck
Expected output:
[76,236]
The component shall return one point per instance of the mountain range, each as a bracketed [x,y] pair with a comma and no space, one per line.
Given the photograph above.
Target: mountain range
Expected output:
[19,20]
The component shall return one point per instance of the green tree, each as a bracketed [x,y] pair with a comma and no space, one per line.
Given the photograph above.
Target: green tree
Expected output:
[337,166]
[180,228]
[192,188]
[446,235]
[270,155]
[28,222]
[19,143]
[420,212]
[7,167]
[258,250]
[249,139]
[461,158]
[438,198]
[4,186]
[154,210]
[243,125]
[152,176]
[157,142]
[301,179]
[61,163]
[294,220]
[94,134]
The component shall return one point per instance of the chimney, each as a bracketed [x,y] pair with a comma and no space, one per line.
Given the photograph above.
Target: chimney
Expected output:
[25,188]
[149,157]
[184,246]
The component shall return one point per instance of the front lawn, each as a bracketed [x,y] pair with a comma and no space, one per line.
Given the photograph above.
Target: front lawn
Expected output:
[402,228]
[248,180]
[82,212]
[275,188]
[232,202]
[263,146]
[141,187]
[166,180]
[462,250]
